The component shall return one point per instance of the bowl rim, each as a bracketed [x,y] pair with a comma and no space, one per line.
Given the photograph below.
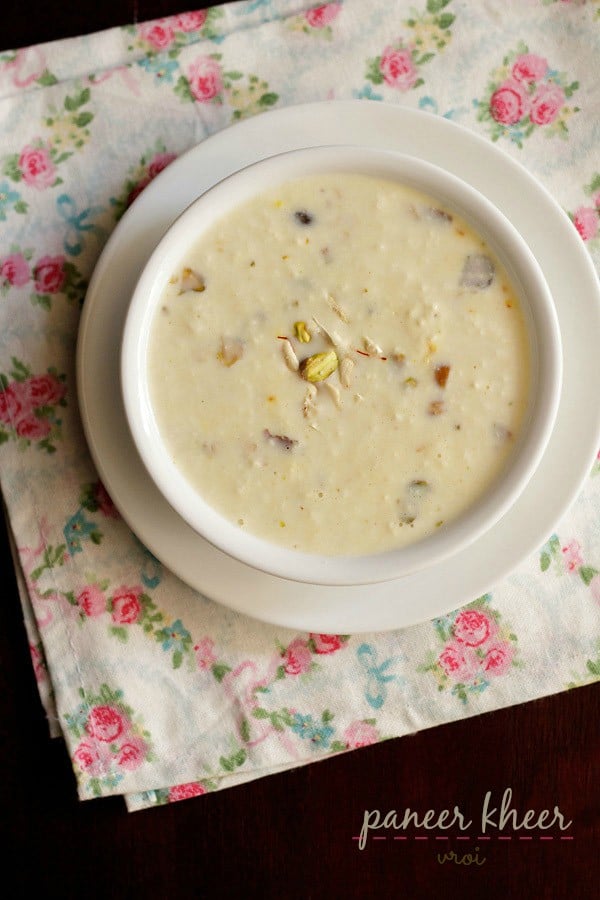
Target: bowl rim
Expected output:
[546,364]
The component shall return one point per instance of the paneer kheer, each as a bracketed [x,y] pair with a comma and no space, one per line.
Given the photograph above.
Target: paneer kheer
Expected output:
[340,365]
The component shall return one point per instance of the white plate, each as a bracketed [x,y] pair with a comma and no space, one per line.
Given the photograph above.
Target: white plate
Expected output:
[451,583]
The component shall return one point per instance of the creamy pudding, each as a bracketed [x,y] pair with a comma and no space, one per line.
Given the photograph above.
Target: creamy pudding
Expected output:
[340,365]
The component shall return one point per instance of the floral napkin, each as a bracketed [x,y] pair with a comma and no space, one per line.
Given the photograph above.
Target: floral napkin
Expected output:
[159,693]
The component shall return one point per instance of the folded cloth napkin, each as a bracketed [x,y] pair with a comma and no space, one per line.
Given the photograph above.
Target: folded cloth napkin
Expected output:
[159,693]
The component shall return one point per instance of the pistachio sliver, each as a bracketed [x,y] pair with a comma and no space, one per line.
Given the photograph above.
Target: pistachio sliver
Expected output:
[302,332]
[319,366]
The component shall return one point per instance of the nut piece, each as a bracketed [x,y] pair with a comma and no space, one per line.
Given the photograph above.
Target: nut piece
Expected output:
[346,367]
[433,212]
[338,309]
[501,432]
[308,406]
[436,408]
[232,349]
[281,440]
[418,487]
[302,332]
[192,281]
[478,272]
[441,375]
[291,360]
[335,393]
[319,366]
[333,337]
[371,347]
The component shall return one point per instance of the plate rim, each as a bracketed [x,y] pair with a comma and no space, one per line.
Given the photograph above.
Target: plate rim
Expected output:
[258,135]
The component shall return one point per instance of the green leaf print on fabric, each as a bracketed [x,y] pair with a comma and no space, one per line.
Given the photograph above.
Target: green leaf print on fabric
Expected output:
[591,673]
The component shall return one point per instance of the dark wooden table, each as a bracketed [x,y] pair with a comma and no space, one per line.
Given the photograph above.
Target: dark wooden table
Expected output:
[290,835]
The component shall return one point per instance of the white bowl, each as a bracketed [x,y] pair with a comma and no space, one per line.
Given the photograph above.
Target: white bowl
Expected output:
[545,348]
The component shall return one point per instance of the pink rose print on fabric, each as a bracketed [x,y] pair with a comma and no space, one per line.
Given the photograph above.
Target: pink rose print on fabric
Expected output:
[49,274]
[585,220]
[110,741]
[572,556]
[33,429]
[321,16]
[205,79]
[566,558]
[126,605]
[525,94]
[399,66]
[172,34]
[95,498]
[186,791]
[131,753]
[498,658]
[129,606]
[586,217]
[327,643]
[458,662]
[297,658]
[91,601]
[38,662]
[29,406]
[12,401]
[360,734]
[91,759]
[509,103]
[104,501]
[190,21]
[398,69]
[14,270]
[476,648]
[136,190]
[160,162]
[105,723]
[159,35]
[204,652]
[151,164]
[44,390]
[36,167]
[528,67]
[547,104]
[472,628]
